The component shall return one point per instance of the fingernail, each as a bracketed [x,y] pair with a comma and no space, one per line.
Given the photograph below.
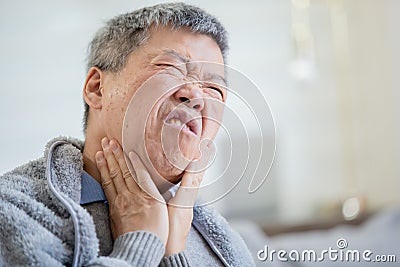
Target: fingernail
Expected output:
[104,142]
[132,156]
[114,146]
[99,156]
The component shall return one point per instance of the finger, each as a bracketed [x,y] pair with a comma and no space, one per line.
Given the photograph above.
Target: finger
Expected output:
[113,167]
[106,182]
[188,189]
[207,150]
[143,178]
[126,173]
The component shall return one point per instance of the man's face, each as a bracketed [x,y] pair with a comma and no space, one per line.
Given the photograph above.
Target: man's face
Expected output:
[170,65]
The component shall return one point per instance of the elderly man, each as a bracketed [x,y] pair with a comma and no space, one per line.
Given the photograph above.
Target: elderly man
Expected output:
[105,202]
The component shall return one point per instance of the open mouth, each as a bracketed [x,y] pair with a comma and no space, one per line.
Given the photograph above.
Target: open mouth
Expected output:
[184,121]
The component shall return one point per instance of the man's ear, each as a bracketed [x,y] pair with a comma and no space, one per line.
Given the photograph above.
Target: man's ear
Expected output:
[93,89]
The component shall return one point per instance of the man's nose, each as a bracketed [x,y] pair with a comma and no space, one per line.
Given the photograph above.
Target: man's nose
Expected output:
[191,96]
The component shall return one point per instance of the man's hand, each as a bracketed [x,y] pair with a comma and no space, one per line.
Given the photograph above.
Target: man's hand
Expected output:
[131,208]
[180,213]
[180,207]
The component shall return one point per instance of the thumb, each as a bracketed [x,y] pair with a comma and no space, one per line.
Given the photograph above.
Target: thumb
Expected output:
[188,189]
[186,194]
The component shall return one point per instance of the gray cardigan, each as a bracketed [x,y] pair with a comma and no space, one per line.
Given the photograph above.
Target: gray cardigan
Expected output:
[42,223]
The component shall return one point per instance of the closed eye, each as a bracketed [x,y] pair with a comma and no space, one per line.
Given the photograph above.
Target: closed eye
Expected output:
[172,67]
[164,65]
[215,88]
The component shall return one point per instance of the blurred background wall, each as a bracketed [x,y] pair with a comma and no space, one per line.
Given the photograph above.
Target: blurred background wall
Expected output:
[329,70]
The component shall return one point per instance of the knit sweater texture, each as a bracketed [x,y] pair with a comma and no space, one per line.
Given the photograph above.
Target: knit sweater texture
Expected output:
[42,223]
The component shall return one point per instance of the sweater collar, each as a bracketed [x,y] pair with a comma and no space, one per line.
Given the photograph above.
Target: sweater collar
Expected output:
[67,165]
[64,166]
[214,228]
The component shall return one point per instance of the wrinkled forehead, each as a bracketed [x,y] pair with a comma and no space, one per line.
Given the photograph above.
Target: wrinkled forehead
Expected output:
[186,44]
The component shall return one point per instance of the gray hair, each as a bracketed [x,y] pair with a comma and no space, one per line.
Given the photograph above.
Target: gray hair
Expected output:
[121,35]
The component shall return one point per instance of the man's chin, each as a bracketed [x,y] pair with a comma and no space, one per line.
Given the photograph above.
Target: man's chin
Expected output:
[176,179]
[173,178]
[172,167]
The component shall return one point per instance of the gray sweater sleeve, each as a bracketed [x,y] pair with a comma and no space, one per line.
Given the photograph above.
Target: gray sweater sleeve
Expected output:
[175,260]
[138,248]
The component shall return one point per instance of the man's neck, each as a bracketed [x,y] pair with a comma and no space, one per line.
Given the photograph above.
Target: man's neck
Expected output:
[92,146]
[90,167]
